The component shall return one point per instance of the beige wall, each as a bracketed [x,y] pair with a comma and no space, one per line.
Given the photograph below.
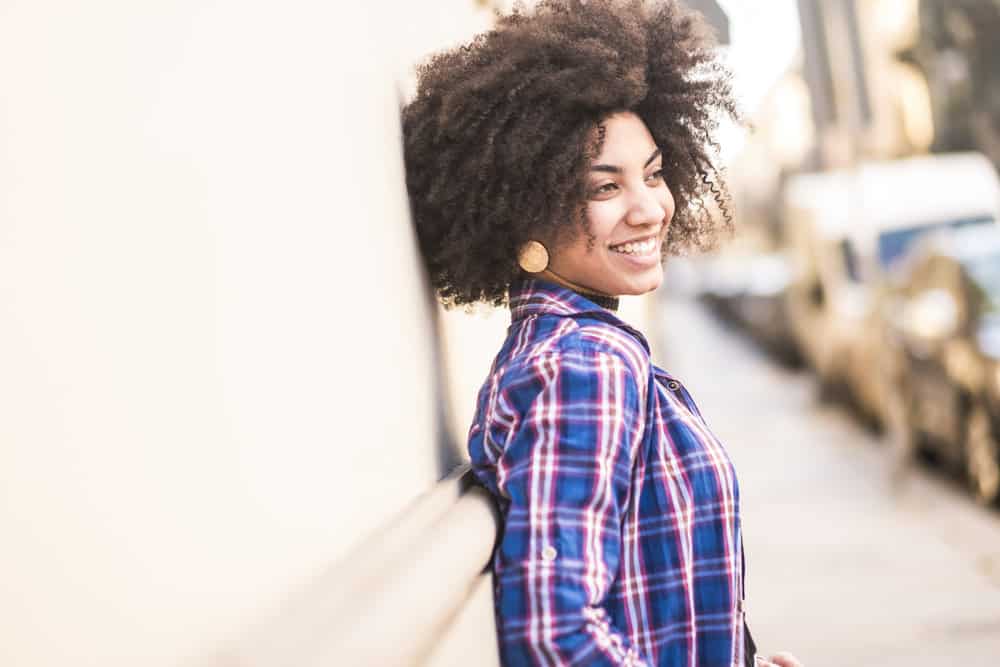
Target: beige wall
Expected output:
[214,356]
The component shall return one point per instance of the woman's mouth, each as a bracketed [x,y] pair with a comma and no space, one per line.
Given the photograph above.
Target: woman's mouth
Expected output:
[637,248]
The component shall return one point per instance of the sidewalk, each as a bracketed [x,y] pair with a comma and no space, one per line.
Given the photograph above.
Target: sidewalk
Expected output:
[841,570]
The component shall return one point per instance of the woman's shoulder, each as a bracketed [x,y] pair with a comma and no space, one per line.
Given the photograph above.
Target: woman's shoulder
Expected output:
[587,342]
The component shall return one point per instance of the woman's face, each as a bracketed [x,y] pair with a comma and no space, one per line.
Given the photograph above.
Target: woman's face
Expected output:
[629,207]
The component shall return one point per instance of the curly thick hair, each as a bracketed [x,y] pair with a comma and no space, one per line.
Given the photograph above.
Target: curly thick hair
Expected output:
[500,135]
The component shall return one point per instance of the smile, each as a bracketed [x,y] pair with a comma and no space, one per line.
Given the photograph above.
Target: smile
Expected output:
[637,248]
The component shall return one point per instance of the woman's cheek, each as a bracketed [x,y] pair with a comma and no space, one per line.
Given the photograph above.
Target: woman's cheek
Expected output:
[602,216]
[669,205]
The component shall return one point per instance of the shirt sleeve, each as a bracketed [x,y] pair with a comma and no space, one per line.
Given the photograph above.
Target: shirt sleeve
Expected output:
[574,421]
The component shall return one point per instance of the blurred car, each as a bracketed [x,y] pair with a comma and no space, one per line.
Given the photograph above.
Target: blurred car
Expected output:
[723,282]
[945,326]
[847,230]
[749,291]
[816,218]
[762,308]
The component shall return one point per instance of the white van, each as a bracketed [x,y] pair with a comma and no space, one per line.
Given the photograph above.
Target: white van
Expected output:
[846,230]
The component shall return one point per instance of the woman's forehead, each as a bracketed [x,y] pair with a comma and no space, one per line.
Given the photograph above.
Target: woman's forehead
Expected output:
[626,139]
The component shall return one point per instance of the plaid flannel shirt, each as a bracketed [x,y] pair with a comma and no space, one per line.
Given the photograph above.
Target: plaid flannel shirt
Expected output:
[621,538]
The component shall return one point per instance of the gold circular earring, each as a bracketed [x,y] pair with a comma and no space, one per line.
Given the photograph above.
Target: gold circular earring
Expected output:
[533,257]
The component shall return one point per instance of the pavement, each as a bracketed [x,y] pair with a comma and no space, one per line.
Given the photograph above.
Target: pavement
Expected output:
[845,567]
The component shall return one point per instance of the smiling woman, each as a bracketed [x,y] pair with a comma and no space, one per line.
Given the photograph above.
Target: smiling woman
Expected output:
[628,211]
[503,133]
[552,164]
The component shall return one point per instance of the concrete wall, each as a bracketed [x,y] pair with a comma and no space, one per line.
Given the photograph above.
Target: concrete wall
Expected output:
[215,352]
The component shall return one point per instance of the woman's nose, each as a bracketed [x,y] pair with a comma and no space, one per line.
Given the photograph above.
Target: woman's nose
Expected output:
[650,207]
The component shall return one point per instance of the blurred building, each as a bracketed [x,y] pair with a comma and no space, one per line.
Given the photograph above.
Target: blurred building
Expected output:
[891,78]
[877,79]
[866,102]
[955,49]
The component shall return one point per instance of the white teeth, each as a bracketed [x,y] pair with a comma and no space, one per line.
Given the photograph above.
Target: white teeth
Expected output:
[643,248]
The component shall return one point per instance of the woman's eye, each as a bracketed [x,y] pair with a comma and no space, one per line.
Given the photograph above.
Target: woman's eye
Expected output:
[655,176]
[605,189]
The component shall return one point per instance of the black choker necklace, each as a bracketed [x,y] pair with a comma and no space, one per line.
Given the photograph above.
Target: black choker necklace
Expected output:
[602,300]
[609,302]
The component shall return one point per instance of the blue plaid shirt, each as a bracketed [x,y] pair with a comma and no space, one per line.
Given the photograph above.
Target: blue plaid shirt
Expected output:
[621,534]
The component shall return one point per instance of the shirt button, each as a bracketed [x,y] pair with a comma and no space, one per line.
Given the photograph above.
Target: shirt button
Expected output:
[741,606]
[674,385]
[549,554]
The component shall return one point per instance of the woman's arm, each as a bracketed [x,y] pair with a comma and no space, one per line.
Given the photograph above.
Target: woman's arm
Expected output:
[574,420]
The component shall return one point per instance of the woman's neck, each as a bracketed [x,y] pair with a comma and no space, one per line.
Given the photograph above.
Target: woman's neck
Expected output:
[601,299]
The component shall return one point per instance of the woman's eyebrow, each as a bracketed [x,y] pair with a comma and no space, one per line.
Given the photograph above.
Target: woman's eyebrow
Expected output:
[610,168]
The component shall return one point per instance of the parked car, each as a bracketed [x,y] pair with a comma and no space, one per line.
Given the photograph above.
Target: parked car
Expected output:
[723,281]
[824,288]
[748,290]
[945,328]
[762,308]
[847,231]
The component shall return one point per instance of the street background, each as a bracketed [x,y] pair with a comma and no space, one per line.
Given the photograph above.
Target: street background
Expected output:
[222,373]
[847,564]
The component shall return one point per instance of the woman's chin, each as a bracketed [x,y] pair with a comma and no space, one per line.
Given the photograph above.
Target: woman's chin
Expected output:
[615,282]
[644,284]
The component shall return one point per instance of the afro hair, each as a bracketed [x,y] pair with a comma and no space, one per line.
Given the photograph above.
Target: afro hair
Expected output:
[500,134]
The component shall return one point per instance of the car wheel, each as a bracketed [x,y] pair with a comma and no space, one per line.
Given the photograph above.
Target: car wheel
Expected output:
[982,457]
[914,434]
[899,435]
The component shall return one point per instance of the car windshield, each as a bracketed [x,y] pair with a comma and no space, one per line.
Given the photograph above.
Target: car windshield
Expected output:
[893,245]
[984,273]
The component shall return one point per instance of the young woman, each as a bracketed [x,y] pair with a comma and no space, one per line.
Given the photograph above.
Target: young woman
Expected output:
[552,164]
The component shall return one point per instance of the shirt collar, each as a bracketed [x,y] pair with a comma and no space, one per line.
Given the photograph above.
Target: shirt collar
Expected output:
[533,296]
